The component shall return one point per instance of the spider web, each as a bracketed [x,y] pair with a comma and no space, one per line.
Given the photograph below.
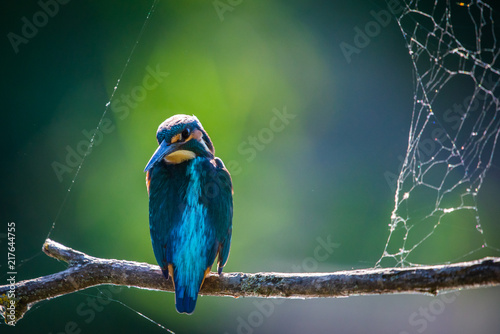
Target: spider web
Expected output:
[454,128]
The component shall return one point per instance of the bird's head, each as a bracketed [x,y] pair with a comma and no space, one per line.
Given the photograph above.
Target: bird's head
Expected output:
[181,138]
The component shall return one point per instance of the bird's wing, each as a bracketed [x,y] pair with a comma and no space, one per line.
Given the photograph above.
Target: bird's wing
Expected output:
[165,210]
[221,212]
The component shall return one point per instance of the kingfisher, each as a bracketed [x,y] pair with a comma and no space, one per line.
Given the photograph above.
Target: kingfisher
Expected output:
[190,207]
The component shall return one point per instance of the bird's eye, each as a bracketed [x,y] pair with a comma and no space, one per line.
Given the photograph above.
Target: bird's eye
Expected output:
[185,134]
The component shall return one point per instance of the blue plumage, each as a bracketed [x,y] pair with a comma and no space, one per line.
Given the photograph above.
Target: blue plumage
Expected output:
[190,207]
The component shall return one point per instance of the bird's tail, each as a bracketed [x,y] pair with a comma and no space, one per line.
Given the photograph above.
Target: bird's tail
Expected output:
[184,301]
[186,292]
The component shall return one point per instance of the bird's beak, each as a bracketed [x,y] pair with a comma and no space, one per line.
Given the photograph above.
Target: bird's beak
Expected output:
[162,150]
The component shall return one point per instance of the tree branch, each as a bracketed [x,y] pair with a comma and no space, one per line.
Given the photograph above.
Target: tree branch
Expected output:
[85,271]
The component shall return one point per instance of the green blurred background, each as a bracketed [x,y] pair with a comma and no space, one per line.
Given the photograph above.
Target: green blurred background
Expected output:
[322,176]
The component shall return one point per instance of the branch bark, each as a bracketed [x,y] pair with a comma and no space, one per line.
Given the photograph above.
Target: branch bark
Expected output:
[85,271]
